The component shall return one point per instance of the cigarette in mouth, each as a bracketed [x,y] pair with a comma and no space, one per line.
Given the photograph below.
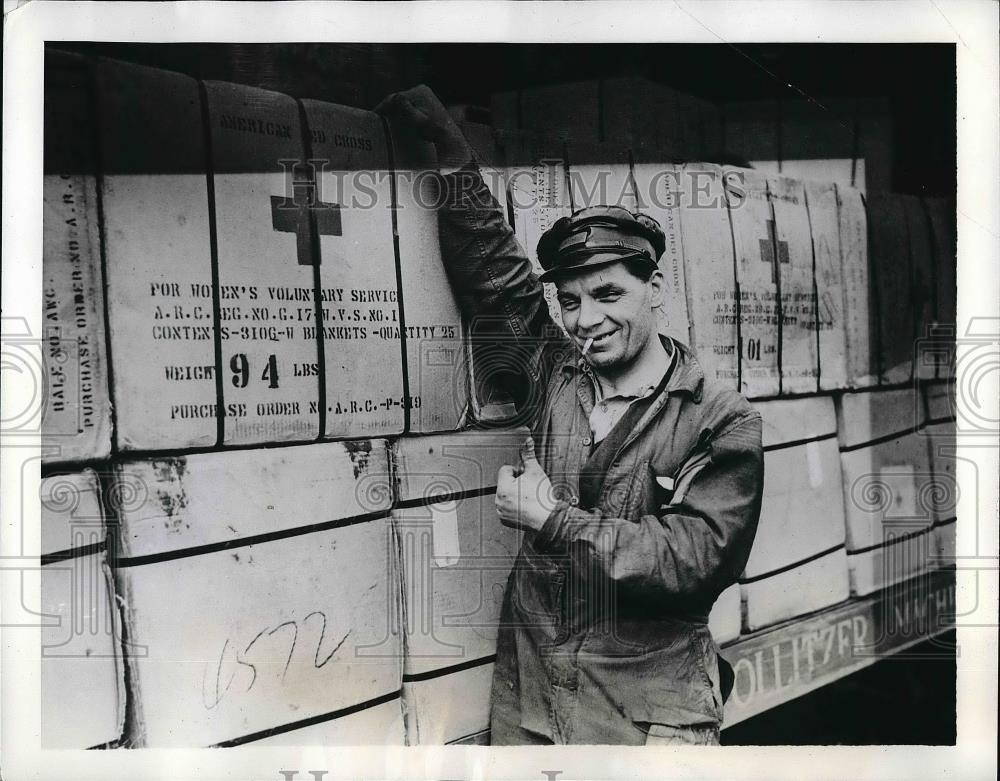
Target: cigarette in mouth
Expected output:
[586,345]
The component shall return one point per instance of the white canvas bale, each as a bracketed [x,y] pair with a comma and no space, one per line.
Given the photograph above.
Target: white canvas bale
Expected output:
[179,502]
[908,555]
[449,708]
[709,272]
[158,249]
[659,194]
[841,171]
[797,564]
[295,626]
[376,725]
[941,441]
[266,266]
[83,687]
[475,739]
[864,416]
[945,537]
[457,555]
[76,413]
[456,558]
[438,378]
[724,619]
[799,360]
[291,631]
[860,316]
[72,514]
[939,400]
[788,594]
[83,690]
[889,262]
[155,186]
[754,235]
[821,199]
[361,340]
[887,479]
[453,585]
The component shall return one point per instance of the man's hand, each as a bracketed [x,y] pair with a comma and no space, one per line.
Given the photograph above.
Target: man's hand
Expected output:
[419,111]
[524,498]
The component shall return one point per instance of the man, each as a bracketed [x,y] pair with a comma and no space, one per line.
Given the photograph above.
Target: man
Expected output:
[639,492]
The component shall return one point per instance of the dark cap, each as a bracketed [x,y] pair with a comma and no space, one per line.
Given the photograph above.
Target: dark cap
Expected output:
[596,236]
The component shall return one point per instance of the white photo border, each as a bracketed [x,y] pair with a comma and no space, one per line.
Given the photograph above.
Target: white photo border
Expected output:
[970,25]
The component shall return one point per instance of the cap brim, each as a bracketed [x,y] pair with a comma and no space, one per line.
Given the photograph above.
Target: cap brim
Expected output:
[584,264]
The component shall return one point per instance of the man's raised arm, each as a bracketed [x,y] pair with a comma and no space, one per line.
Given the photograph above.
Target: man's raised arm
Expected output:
[490,274]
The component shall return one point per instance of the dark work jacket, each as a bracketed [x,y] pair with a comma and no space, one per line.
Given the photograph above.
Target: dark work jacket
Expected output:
[604,620]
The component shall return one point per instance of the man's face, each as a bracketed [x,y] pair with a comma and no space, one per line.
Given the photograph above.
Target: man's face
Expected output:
[613,306]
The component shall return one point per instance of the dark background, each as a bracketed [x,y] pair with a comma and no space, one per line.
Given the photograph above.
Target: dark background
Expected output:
[907,699]
[918,80]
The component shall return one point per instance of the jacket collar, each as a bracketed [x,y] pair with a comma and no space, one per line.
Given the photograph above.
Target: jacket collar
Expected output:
[687,374]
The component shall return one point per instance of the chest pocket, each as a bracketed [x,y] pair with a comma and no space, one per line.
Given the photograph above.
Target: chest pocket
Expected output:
[664,484]
[625,490]
[671,477]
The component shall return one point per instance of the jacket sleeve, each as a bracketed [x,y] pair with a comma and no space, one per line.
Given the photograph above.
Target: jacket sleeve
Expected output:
[489,271]
[514,341]
[689,554]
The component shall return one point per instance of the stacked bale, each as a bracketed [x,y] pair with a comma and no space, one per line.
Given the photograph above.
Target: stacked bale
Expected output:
[940,431]
[888,487]
[261,595]
[456,556]
[76,417]
[798,564]
[230,269]
[83,684]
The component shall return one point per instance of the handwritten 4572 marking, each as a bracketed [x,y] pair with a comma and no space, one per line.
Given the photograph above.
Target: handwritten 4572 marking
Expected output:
[232,658]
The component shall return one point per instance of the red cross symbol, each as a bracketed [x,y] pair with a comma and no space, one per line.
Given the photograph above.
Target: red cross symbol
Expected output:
[767,253]
[293,215]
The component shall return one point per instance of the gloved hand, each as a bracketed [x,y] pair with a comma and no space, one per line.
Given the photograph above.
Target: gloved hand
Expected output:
[419,111]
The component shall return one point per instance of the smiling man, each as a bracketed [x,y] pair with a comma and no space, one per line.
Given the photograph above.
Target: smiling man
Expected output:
[639,491]
[603,262]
